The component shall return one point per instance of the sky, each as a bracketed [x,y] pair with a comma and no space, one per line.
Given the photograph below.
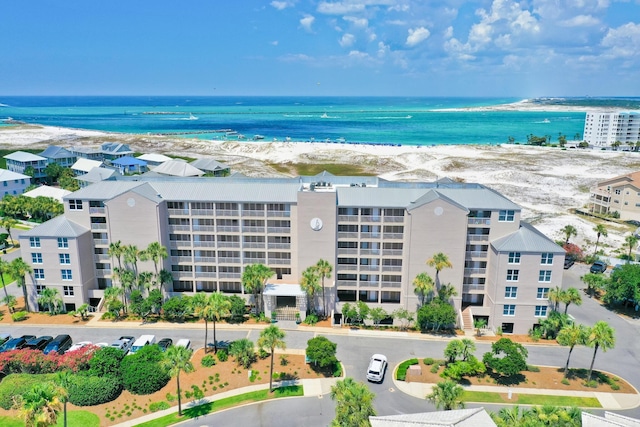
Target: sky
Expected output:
[478,48]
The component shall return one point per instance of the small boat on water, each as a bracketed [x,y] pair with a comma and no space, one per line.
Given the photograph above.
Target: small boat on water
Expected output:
[546,121]
[341,140]
[324,116]
[241,136]
[288,139]
[257,137]
[192,117]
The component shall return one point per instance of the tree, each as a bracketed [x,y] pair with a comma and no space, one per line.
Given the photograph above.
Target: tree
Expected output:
[67,180]
[272,337]
[324,269]
[177,359]
[4,268]
[253,278]
[555,297]
[321,351]
[435,315]
[423,285]
[602,336]
[405,317]
[131,257]
[600,230]
[8,224]
[570,336]
[116,250]
[243,352]
[513,360]
[453,350]
[569,231]
[145,280]
[553,323]
[177,307]
[447,395]
[378,314]
[40,405]
[50,297]
[164,277]
[310,284]
[354,404]
[593,282]
[447,292]
[53,172]
[622,285]
[18,269]
[571,296]
[439,261]
[218,307]
[156,253]
[63,379]
[11,302]
[631,241]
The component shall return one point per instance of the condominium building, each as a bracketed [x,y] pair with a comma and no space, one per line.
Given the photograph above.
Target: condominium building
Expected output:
[602,129]
[619,194]
[376,234]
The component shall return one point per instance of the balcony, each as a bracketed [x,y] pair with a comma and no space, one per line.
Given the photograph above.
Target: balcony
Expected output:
[230,260]
[369,284]
[181,259]
[347,267]
[477,254]
[104,272]
[249,212]
[98,226]
[469,271]
[393,219]
[369,268]
[253,260]
[391,284]
[173,227]
[279,214]
[206,274]
[369,251]
[347,235]
[204,228]
[204,259]
[472,287]
[347,218]
[101,257]
[347,251]
[224,275]
[279,246]
[178,212]
[228,244]
[202,212]
[204,244]
[253,229]
[477,237]
[279,261]
[373,235]
[392,252]
[396,236]
[98,210]
[180,244]
[479,221]
[224,212]
[253,245]
[391,268]
[229,228]
[347,283]
[102,242]
[283,230]
[369,218]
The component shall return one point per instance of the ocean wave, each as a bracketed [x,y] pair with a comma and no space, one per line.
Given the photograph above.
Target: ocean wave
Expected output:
[392,117]
[3,105]
[298,115]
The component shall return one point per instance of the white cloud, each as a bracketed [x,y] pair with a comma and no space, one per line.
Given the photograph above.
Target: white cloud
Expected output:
[397,22]
[623,41]
[372,36]
[296,57]
[448,33]
[280,5]
[359,55]
[340,8]
[580,21]
[383,49]
[347,40]
[307,22]
[357,22]
[274,43]
[398,8]
[417,36]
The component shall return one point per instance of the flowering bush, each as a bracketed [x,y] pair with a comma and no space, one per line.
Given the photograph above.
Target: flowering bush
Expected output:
[573,251]
[35,362]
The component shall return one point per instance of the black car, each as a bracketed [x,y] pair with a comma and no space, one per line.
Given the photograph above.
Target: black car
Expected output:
[59,344]
[568,262]
[16,343]
[598,267]
[38,343]
[165,343]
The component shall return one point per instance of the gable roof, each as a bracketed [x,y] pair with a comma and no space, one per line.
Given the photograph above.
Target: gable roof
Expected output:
[23,156]
[59,226]
[98,174]
[56,152]
[526,239]
[129,161]
[209,165]
[7,175]
[115,147]
[632,178]
[47,191]
[472,417]
[85,165]
[103,190]
[154,157]
[177,167]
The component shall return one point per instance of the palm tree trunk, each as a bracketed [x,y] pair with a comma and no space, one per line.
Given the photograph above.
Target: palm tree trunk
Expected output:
[596,249]
[4,286]
[206,334]
[593,359]
[26,300]
[566,368]
[65,412]
[271,374]
[215,341]
[179,398]
[324,300]
[566,307]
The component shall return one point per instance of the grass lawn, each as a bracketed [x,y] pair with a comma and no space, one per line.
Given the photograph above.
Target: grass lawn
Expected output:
[530,399]
[74,419]
[218,405]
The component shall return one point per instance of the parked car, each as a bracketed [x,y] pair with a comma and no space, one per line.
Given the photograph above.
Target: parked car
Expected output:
[38,343]
[184,342]
[82,344]
[59,344]
[598,267]
[377,366]
[123,343]
[165,343]
[16,343]
[4,338]
[141,342]
[568,262]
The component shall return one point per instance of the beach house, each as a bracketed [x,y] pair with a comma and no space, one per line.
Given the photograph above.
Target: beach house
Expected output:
[13,183]
[59,155]
[376,234]
[619,196]
[27,164]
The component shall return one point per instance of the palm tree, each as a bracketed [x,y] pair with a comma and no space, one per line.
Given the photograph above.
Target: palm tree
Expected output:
[63,380]
[324,269]
[156,253]
[272,337]
[631,241]
[555,297]
[51,298]
[178,359]
[116,250]
[354,404]
[128,282]
[602,336]
[40,405]
[253,278]
[593,281]
[145,280]
[512,416]
[446,292]
[571,296]
[9,223]
[570,336]
[439,261]
[423,285]
[218,307]
[131,256]
[4,268]
[18,269]
[199,304]
[309,284]
[569,231]
[600,230]
[446,395]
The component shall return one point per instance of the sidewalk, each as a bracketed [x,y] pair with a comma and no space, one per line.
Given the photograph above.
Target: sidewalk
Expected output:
[311,387]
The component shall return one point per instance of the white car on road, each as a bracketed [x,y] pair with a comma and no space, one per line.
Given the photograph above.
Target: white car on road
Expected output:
[377,366]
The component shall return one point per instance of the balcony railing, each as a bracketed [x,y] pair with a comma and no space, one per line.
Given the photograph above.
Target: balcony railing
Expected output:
[180,244]
[347,283]
[393,218]
[346,267]
[279,261]
[202,212]
[472,287]
[97,210]
[206,274]
[347,235]
[181,259]
[253,229]
[479,221]
[204,259]
[197,227]
[391,284]
[369,284]
[366,235]
[369,251]
[101,257]
[253,245]
[182,212]
[101,241]
[477,254]
[475,271]
[279,246]
[369,268]
[392,252]
[98,226]
[478,237]
[279,214]
[347,251]
[228,244]
[369,218]
[248,260]
[204,244]
[229,228]
[286,230]
[229,260]
[391,268]
[224,275]
[224,212]
[392,236]
[249,212]
[174,227]
[104,272]
[347,218]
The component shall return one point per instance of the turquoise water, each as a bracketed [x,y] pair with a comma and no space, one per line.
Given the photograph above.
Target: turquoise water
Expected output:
[378,120]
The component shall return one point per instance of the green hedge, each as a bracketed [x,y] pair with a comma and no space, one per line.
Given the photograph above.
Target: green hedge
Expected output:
[90,390]
[17,384]
[401,373]
[142,373]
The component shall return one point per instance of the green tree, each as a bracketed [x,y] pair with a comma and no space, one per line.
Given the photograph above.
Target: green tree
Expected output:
[177,359]
[272,337]
[253,279]
[53,172]
[555,297]
[321,351]
[310,284]
[570,336]
[131,257]
[631,241]
[177,308]
[594,282]
[64,380]
[404,316]
[156,253]
[622,285]
[8,224]
[602,336]
[324,269]
[569,231]
[446,395]
[423,285]
[4,269]
[18,269]
[436,314]
[243,351]
[506,357]
[377,315]
[600,230]
[39,407]
[67,180]
[554,322]
[354,404]
[446,292]
[571,296]
[50,297]
[219,307]
[164,277]
[439,261]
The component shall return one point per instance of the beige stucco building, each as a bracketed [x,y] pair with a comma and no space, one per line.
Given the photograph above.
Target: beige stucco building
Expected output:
[376,234]
[619,194]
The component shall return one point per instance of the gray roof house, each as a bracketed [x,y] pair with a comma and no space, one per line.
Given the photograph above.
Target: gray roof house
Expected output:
[115,150]
[20,161]
[59,155]
[212,167]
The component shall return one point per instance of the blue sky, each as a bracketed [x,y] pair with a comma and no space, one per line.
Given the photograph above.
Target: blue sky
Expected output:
[302,47]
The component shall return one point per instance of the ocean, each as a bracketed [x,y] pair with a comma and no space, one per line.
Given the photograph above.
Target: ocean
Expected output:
[376,120]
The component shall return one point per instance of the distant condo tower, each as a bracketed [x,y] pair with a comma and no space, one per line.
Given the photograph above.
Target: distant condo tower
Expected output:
[604,128]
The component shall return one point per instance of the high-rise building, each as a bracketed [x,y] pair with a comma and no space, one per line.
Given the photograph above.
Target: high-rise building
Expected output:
[602,129]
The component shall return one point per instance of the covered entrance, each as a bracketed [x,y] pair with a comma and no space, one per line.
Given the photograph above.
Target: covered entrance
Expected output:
[285,300]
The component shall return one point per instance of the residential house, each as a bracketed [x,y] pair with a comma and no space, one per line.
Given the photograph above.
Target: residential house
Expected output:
[177,167]
[211,167]
[13,183]
[47,191]
[59,155]
[129,165]
[90,153]
[619,194]
[83,165]
[154,159]
[96,175]
[21,162]
[115,150]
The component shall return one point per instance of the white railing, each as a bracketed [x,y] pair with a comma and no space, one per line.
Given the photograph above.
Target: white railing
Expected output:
[369,218]
[279,261]
[347,218]
[279,213]
[475,271]
[278,230]
[254,245]
[479,221]
[204,243]
[392,236]
[279,246]
[347,235]
[202,212]
[97,210]
[391,268]
[393,219]
[207,259]
[229,228]
[478,237]
[392,252]
[253,229]
[174,227]
[228,244]
[98,226]
[228,260]
[347,251]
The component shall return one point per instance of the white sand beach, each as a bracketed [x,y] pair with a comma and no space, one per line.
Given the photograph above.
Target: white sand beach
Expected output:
[546,182]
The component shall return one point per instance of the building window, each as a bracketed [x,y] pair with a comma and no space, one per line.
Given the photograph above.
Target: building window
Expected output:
[75,205]
[66,275]
[543,293]
[541,311]
[68,291]
[36,258]
[618,192]
[512,275]
[514,257]
[38,273]
[545,276]
[546,258]
[511,292]
[63,242]
[65,258]
[509,310]
[34,242]
[40,288]
[506,216]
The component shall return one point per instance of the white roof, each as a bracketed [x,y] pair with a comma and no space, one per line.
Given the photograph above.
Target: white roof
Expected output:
[472,417]
[86,165]
[23,156]
[46,191]
[177,167]
[154,157]
[6,175]
[282,290]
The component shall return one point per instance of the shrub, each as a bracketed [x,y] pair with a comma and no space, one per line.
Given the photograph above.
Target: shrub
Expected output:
[262,353]
[401,374]
[18,384]
[208,361]
[142,373]
[106,362]
[434,369]
[321,351]
[429,361]
[19,316]
[591,384]
[284,361]
[311,320]
[223,355]
[170,397]
[533,368]
[565,381]
[614,386]
[92,390]
[337,370]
